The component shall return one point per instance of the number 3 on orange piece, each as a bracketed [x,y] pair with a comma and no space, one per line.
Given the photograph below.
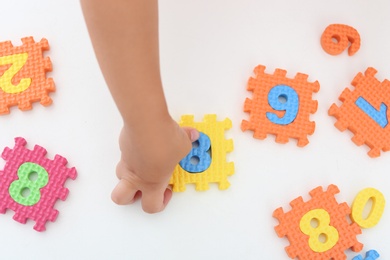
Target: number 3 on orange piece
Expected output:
[336,38]
[377,208]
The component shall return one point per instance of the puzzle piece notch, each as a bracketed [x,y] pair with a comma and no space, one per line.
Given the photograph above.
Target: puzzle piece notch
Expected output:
[350,116]
[43,210]
[258,107]
[337,37]
[289,225]
[35,69]
[219,169]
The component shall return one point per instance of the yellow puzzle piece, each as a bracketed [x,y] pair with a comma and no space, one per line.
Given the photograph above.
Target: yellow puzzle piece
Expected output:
[219,168]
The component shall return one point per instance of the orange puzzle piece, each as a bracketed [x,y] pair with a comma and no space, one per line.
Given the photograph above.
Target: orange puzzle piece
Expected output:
[336,38]
[23,75]
[290,226]
[262,114]
[365,112]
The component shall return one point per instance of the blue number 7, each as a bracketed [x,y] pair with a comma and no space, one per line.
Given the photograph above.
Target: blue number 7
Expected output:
[380,117]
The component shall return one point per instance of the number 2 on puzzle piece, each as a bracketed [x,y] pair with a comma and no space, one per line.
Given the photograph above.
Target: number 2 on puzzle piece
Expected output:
[206,163]
[31,183]
[23,75]
[365,112]
[280,106]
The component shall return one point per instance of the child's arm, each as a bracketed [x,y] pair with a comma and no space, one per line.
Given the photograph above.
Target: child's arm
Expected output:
[124,34]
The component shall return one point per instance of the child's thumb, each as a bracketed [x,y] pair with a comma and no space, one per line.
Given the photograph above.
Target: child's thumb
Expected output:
[192,133]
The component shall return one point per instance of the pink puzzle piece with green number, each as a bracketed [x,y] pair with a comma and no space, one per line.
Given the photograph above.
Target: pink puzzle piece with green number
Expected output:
[31,183]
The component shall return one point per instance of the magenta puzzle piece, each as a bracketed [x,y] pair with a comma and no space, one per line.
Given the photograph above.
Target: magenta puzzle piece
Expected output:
[30,183]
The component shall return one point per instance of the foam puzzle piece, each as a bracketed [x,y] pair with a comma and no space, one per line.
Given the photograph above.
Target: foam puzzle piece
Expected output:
[289,226]
[370,255]
[23,75]
[336,38]
[200,153]
[377,207]
[280,106]
[368,127]
[219,169]
[15,178]
[322,219]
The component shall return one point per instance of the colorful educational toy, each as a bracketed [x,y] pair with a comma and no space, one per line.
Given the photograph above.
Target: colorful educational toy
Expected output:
[377,208]
[336,38]
[23,75]
[364,112]
[370,255]
[206,163]
[280,106]
[31,183]
[199,159]
[331,224]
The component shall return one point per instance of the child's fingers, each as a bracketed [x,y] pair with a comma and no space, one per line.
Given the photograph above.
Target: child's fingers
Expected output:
[192,133]
[124,193]
[154,201]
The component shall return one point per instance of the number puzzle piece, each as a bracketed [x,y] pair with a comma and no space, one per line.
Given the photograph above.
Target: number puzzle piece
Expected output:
[28,197]
[377,208]
[323,227]
[23,75]
[211,170]
[332,219]
[199,159]
[370,255]
[280,106]
[364,112]
[336,38]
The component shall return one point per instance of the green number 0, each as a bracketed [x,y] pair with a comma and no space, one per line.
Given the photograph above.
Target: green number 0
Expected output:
[26,184]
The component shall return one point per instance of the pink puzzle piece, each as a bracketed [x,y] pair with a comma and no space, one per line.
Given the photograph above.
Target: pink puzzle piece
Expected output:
[38,205]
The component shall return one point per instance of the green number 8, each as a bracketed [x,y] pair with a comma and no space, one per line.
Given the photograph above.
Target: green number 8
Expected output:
[26,190]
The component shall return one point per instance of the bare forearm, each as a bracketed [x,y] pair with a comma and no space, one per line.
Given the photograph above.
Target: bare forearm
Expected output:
[124,34]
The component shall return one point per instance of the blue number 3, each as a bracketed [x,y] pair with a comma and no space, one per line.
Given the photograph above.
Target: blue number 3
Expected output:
[199,159]
[283,98]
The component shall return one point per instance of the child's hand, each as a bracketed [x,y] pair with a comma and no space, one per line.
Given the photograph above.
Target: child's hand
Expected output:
[148,159]
[151,142]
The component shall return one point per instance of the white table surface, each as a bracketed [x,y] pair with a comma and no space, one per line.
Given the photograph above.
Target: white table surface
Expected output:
[208,52]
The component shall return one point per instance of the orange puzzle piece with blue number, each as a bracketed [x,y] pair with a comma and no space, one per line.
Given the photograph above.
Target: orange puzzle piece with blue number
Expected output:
[280,106]
[365,112]
[206,163]
[23,75]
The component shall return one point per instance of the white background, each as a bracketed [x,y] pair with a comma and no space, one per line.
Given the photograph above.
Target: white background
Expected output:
[208,52]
